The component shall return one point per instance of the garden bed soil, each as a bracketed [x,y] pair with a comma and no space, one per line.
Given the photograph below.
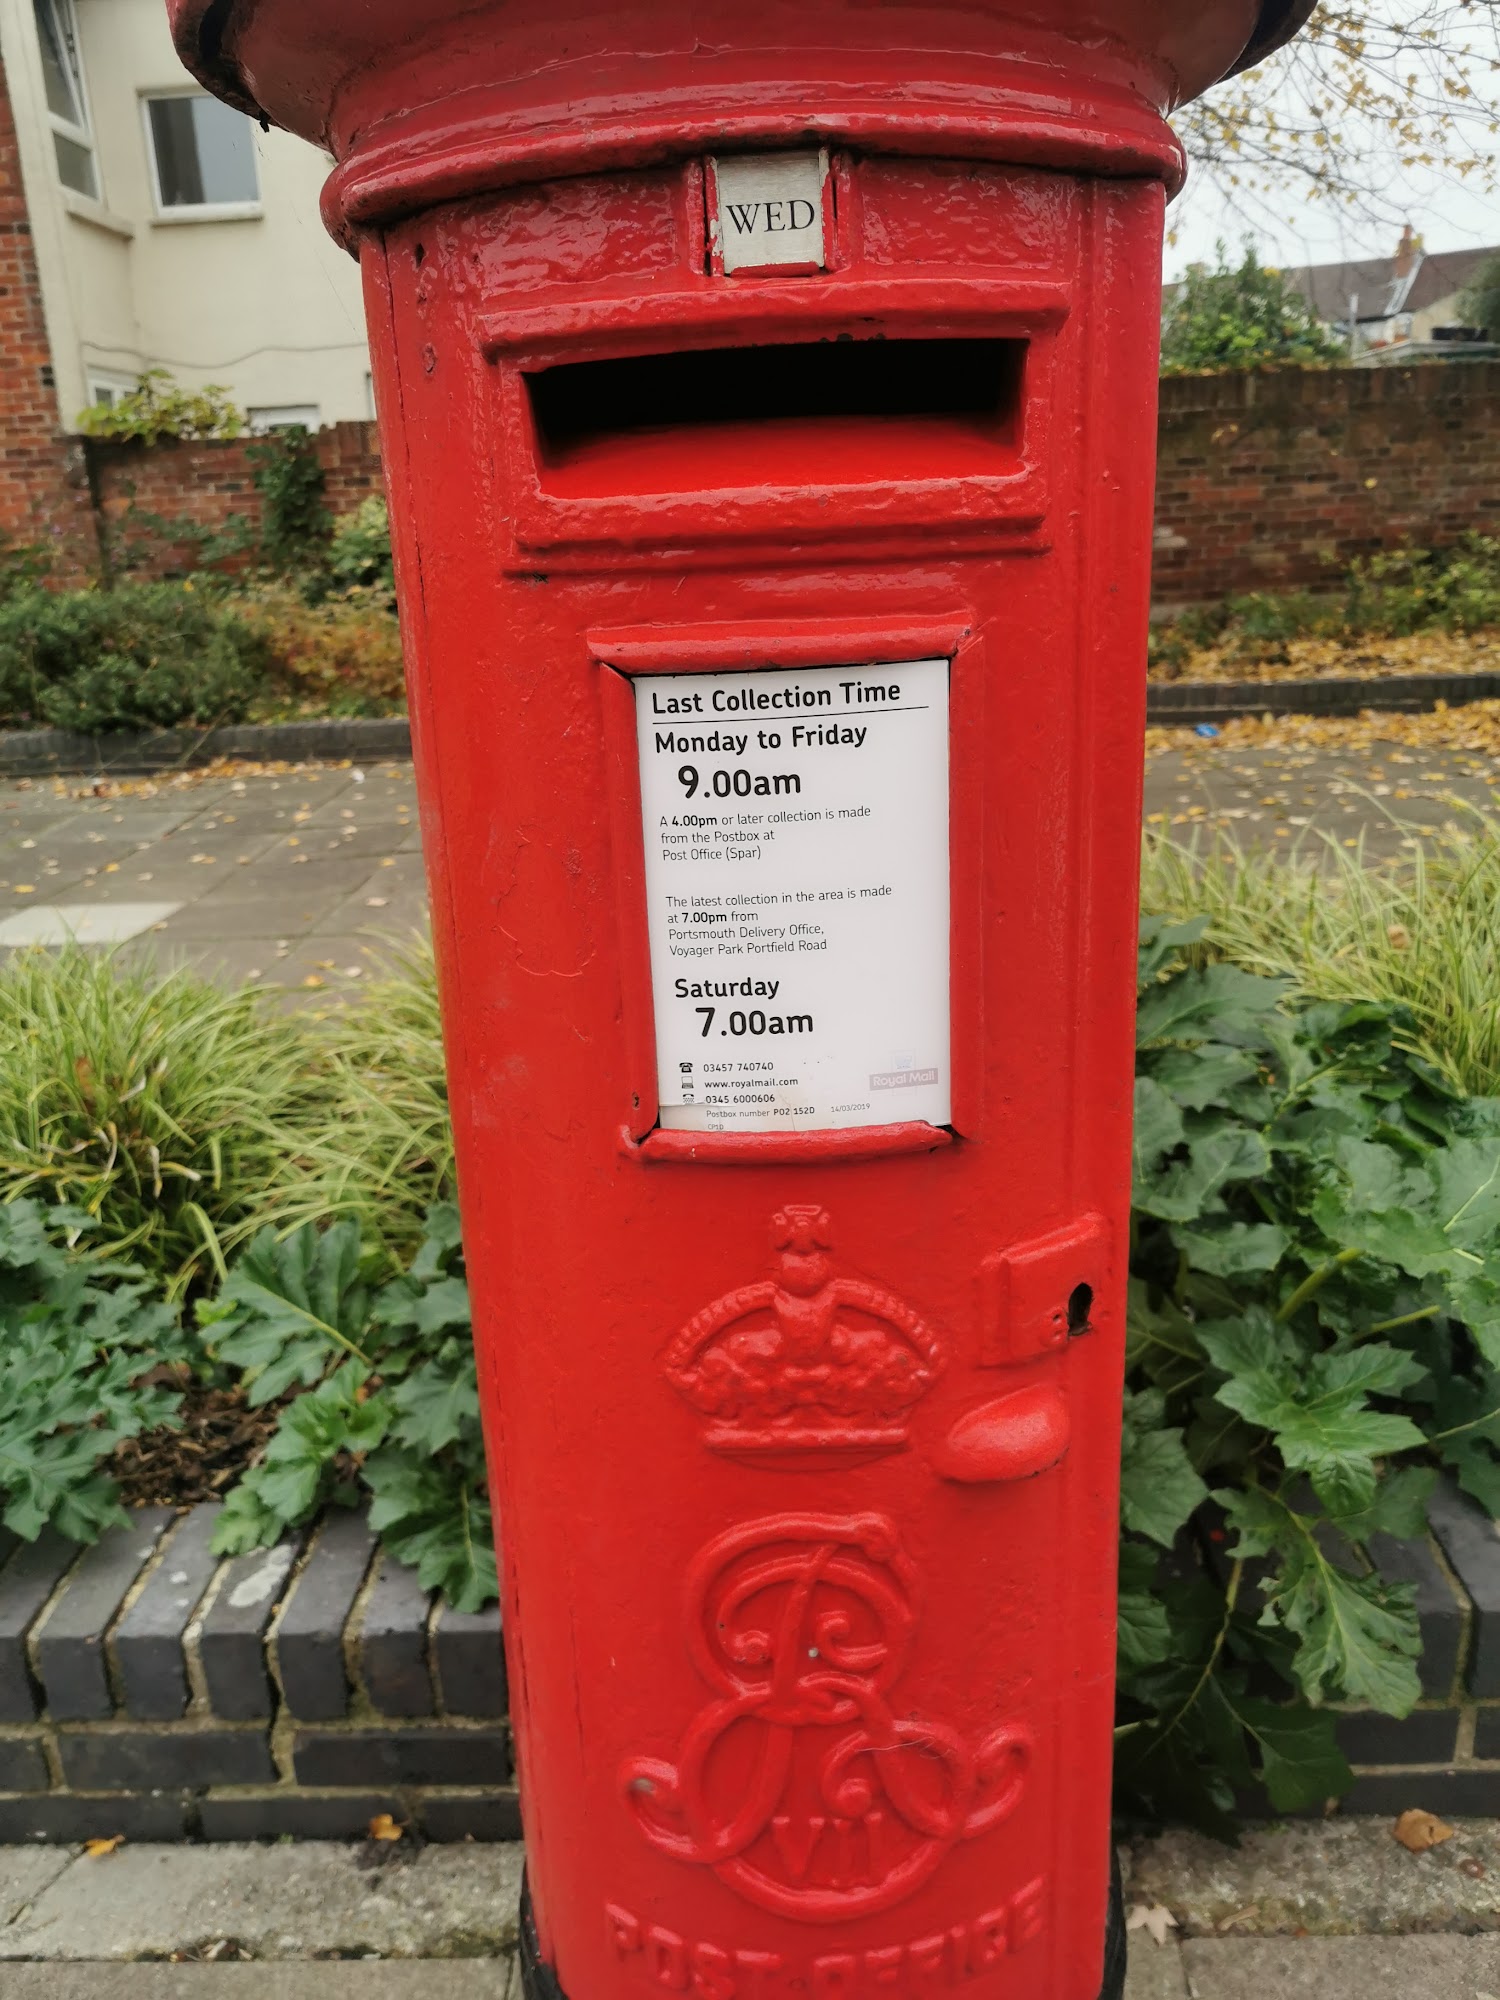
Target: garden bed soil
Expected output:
[215,1437]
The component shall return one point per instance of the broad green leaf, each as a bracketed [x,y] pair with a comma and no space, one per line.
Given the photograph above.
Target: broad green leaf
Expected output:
[1158,1126]
[1158,1487]
[1197,1078]
[1221,1003]
[1232,1249]
[1184,1189]
[1301,1764]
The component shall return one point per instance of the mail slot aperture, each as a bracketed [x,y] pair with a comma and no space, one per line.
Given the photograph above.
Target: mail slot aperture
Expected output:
[836,411]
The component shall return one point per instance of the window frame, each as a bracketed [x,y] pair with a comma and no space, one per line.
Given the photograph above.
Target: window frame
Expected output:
[118,381]
[198,211]
[265,418]
[65,19]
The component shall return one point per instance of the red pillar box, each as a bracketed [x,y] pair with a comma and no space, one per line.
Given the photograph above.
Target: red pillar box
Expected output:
[768,398]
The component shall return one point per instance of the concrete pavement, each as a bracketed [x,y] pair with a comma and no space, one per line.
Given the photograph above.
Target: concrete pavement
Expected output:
[323,1921]
[288,876]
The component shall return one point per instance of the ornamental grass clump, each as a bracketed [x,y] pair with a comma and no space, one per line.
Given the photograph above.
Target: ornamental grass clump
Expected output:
[384,1154]
[161,1107]
[1423,932]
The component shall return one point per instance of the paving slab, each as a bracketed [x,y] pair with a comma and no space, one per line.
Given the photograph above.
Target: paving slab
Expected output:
[484,1980]
[24,1873]
[1326,1878]
[1426,1968]
[278,1902]
[1155,1971]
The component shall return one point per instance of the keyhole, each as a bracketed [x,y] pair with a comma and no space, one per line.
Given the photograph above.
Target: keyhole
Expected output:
[1080,1299]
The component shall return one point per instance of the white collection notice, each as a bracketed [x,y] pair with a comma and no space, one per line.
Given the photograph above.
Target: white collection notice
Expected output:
[796,838]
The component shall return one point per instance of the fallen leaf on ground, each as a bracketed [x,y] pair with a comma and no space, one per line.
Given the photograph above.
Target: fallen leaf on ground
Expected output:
[1153,1917]
[97,1849]
[1417,1831]
[383,1827]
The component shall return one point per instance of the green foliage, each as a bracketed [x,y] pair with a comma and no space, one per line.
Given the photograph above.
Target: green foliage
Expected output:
[359,553]
[159,1106]
[1241,315]
[1480,305]
[23,565]
[386,1154]
[1314,1321]
[295,522]
[157,408]
[390,1402]
[1385,596]
[139,656]
[82,1357]
[1423,933]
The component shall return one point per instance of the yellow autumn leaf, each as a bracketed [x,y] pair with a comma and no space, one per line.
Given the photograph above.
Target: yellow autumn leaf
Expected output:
[97,1849]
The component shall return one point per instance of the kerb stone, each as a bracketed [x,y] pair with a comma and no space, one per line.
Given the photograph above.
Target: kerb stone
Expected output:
[68,1645]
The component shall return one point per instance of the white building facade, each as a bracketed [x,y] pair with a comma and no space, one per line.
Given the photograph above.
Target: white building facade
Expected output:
[170,231]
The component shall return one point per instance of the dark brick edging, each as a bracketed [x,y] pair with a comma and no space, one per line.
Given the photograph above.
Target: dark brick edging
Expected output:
[37,753]
[150,1688]
[1188,702]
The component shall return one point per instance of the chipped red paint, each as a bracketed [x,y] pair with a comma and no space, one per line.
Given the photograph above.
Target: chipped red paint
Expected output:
[805,1443]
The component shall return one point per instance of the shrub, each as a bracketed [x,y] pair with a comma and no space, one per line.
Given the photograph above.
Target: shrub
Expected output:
[295,522]
[1314,1320]
[341,656]
[385,1155]
[157,408]
[1480,304]
[82,1355]
[138,656]
[390,1398]
[359,553]
[1243,315]
[161,1107]
[1422,934]
[1384,596]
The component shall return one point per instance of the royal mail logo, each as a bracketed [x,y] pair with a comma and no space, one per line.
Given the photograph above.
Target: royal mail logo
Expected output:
[902,1079]
[805,1362]
[797,1783]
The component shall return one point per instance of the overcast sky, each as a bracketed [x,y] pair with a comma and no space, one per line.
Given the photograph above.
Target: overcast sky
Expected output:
[1446,212]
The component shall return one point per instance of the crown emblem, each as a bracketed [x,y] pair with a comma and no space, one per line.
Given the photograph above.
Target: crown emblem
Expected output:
[805,1362]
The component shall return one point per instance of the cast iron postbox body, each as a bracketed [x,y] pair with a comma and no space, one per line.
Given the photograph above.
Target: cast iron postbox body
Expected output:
[769,419]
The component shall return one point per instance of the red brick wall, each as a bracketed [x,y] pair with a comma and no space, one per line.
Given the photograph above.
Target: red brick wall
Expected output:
[1264,480]
[211,484]
[44,493]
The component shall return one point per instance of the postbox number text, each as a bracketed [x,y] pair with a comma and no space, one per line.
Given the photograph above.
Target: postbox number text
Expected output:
[795,828]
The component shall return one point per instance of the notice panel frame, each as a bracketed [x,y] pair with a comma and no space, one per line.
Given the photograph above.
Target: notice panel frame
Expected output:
[621,655]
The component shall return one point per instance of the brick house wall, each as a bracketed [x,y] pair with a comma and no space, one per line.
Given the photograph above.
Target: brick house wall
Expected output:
[44,492]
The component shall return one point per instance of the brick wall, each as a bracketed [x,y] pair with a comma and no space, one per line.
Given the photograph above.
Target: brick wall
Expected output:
[151,1688]
[44,495]
[1266,479]
[211,484]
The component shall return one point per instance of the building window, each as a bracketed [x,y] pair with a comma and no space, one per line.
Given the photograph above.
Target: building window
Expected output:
[284,417]
[108,389]
[67,101]
[202,156]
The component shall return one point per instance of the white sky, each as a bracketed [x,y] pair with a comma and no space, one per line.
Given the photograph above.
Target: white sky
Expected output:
[1448,213]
